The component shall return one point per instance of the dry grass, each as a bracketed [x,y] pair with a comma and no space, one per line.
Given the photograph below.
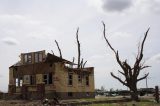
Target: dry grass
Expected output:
[38,103]
[128,104]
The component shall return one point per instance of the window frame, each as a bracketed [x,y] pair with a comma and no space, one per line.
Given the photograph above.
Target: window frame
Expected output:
[87,80]
[70,94]
[28,58]
[79,78]
[49,78]
[70,79]
[32,79]
[38,57]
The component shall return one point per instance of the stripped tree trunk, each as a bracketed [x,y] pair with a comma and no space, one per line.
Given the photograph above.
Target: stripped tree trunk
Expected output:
[129,72]
[58,49]
[79,51]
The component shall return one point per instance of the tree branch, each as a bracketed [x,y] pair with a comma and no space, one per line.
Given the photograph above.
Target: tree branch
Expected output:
[123,82]
[79,51]
[140,55]
[81,64]
[59,49]
[104,34]
[84,64]
[145,76]
[119,61]
[52,52]
[121,72]
[144,67]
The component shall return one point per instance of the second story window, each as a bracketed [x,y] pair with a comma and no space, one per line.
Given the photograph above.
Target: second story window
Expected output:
[70,79]
[27,58]
[38,57]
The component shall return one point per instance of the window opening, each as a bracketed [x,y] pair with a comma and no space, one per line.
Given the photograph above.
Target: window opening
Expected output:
[87,80]
[70,78]
[70,94]
[47,78]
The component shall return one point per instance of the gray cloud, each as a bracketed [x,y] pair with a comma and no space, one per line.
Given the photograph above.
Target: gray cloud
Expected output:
[116,5]
[10,41]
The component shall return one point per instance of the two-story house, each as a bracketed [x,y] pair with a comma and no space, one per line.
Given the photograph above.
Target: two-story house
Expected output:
[38,75]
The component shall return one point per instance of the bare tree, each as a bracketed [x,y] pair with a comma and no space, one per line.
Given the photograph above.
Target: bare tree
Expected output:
[79,51]
[80,62]
[129,72]
[58,49]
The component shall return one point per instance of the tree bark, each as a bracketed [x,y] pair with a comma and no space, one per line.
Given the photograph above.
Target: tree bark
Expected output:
[134,92]
[58,49]
[130,73]
[79,50]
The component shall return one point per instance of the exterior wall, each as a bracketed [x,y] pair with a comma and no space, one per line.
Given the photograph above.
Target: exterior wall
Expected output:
[78,90]
[33,56]
[12,84]
[59,88]
[11,78]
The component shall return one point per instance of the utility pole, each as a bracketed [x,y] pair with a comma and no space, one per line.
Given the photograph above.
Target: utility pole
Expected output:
[146,85]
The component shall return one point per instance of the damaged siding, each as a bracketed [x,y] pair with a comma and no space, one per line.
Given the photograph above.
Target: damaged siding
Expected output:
[50,78]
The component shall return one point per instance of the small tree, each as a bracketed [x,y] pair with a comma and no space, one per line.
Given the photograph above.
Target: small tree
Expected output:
[129,72]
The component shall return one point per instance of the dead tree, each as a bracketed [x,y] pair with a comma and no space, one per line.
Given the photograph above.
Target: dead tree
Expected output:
[80,62]
[79,51]
[129,72]
[58,49]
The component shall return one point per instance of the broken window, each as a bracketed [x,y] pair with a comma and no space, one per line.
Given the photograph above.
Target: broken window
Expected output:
[27,58]
[87,80]
[87,94]
[19,82]
[32,80]
[70,94]
[26,79]
[70,79]
[38,57]
[47,78]
[79,78]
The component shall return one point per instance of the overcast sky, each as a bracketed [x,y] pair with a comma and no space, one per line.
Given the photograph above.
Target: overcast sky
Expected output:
[31,25]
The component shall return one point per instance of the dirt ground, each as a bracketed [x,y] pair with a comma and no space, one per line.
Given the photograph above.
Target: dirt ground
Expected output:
[20,103]
[40,103]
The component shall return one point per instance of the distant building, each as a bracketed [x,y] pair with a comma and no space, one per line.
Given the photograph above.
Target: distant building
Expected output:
[38,76]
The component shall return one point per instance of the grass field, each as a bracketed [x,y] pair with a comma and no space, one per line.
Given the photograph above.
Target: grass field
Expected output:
[145,101]
[38,103]
[127,104]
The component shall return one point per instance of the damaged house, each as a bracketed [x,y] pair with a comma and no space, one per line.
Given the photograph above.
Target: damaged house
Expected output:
[39,75]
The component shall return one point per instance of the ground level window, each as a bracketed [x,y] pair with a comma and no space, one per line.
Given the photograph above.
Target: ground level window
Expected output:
[32,79]
[70,94]
[87,93]
[47,78]
[19,81]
